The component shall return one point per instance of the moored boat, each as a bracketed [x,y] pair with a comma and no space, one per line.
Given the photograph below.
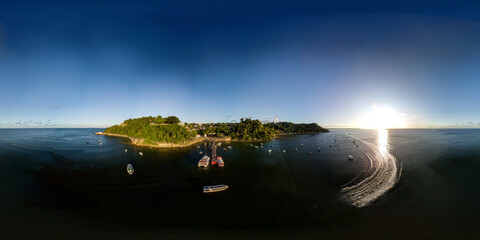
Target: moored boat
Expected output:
[214,188]
[204,161]
[130,169]
[214,161]
[220,161]
[350,157]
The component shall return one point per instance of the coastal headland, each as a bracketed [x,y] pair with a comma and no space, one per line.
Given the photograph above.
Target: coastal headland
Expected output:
[169,132]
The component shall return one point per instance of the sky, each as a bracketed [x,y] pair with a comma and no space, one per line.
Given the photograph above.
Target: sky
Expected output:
[97,63]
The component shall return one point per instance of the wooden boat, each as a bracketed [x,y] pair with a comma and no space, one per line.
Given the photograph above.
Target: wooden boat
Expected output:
[204,161]
[215,188]
[220,161]
[130,169]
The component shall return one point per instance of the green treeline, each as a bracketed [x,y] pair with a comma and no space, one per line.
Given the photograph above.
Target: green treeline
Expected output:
[170,129]
[154,128]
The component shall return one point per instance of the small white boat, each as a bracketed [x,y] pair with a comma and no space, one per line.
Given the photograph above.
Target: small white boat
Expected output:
[229,147]
[350,157]
[215,188]
[126,150]
[251,145]
[130,169]
[256,147]
[296,149]
[219,144]
[198,146]
[200,153]
[269,150]
[204,161]
[283,151]
[140,153]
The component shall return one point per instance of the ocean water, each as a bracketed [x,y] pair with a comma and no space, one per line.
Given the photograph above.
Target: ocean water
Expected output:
[400,184]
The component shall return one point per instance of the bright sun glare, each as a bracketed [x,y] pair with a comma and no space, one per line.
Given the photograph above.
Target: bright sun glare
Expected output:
[383,118]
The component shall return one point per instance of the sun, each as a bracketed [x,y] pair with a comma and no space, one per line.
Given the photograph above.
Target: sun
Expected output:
[383,118]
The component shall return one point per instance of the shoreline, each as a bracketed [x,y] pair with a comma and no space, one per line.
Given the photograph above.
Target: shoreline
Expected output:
[139,141]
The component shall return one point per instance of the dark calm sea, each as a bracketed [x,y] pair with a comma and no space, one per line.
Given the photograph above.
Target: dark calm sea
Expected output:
[400,184]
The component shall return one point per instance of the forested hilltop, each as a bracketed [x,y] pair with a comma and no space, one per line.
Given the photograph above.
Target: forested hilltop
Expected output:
[171,130]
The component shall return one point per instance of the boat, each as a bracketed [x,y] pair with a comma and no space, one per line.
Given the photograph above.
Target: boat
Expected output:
[296,149]
[219,144]
[204,161]
[200,153]
[126,150]
[256,147]
[310,153]
[301,145]
[330,145]
[140,153]
[251,145]
[214,188]
[350,157]
[220,161]
[224,149]
[198,146]
[229,147]
[214,161]
[319,149]
[283,151]
[269,150]
[100,143]
[130,169]
[88,142]
[335,140]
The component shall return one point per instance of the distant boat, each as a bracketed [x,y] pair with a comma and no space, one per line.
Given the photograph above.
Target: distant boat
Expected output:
[140,153]
[335,140]
[215,188]
[204,161]
[283,151]
[219,144]
[99,133]
[256,147]
[296,149]
[224,149]
[330,145]
[220,161]
[310,153]
[126,150]
[251,145]
[301,145]
[88,142]
[200,153]
[269,150]
[319,149]
[229,147]
[198,146]
[130,169]
[350,157]
[100,143]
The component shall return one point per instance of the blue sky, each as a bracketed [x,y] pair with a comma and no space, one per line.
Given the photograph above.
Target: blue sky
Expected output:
[94,63]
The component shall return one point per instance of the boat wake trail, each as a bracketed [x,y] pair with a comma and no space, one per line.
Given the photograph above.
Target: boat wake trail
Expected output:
[380,177]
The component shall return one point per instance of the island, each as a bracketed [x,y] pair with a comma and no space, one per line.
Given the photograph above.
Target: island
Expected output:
[170,132]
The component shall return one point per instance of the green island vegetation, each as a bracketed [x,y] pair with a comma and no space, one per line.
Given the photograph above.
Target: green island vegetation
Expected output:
[171,130]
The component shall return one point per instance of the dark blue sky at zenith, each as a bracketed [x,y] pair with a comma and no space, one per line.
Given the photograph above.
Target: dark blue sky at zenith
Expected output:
[96,63]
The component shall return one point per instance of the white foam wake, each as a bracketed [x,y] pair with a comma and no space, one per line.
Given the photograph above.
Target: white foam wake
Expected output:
[376,181]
